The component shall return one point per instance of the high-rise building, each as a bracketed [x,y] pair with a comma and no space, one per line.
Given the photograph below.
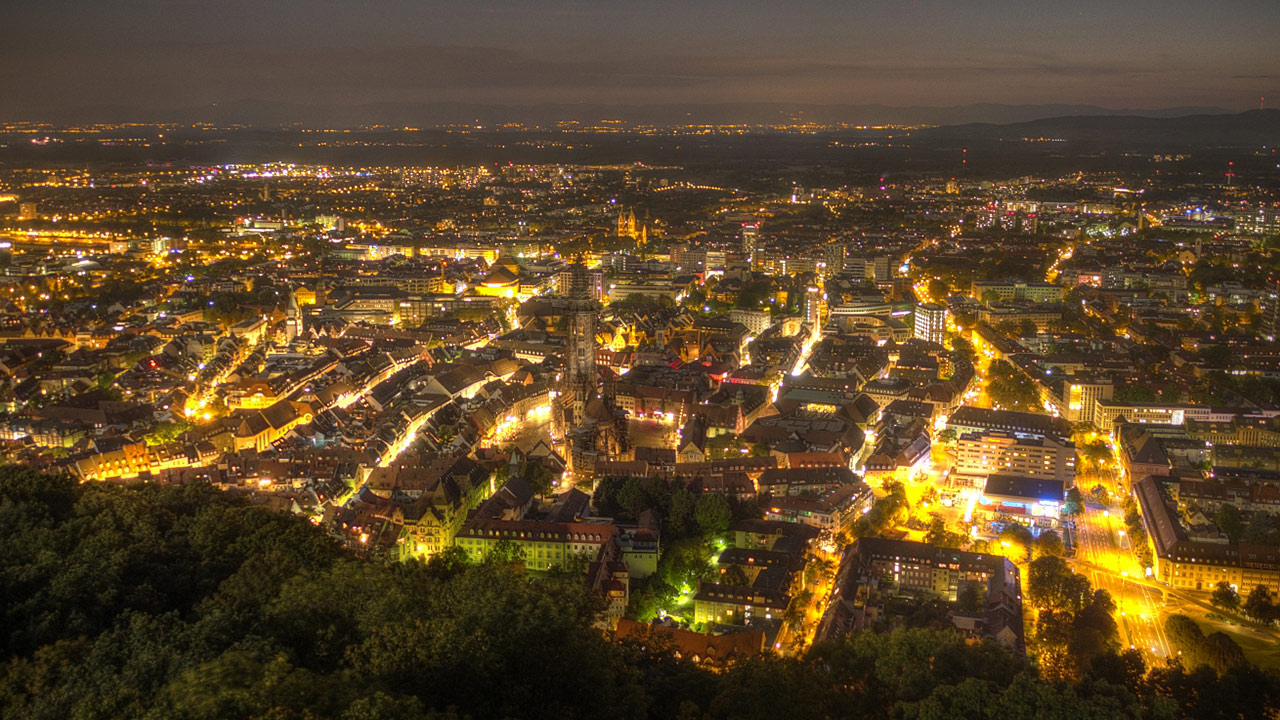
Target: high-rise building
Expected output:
[1270,305]
[881,268]
[833,256]
[858,268]
[813,306]
[1080,394]
[930,322]
[750,240]
[27,211]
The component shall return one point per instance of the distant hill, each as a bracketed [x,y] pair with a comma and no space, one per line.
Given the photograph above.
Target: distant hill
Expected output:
[259,112]
[1254,127]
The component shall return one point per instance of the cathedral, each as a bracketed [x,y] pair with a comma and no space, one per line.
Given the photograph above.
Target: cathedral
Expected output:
[593,428]
[628,227]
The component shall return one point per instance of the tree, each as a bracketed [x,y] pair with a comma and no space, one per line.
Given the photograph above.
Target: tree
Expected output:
[1094,453]
[938,534]
[1262,529]
[1051,585]
[679,521]
[1184,634]
[1124,669]
[1225,597]
[1049,544]
[1016,535]
[187,602]
[1074,504]
[734,575]
[713,514]
[1135,393]
[631,497]
[885,512]
[938,289]
[505,552]
[962,350]
[166,432]
[1011,389]
[1008,328]
[684,562]
[541,478]
[1221,653]
[1230,522]
[971,598]
[449,562]
[650,597]
[1258,604]
[1094,631]
[1217,651]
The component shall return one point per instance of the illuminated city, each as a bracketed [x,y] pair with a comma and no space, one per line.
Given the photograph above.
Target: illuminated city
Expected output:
[575,407]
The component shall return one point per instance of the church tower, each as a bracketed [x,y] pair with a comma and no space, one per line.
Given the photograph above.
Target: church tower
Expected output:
[627,226]
[580,376]
[293,319]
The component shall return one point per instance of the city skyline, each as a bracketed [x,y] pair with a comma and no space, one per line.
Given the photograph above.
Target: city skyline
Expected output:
[708,360]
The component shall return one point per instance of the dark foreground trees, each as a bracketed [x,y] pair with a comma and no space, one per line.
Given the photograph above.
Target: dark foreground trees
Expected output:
[185,603]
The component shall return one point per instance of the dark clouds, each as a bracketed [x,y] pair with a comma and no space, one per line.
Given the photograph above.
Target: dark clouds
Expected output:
[1137,53]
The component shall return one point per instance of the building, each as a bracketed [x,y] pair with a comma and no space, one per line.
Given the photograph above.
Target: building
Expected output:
[440,495]
[1009,493]
[1270,307]
[808,480]
[750,241]
[970,419]
[1140,450]
[813,306]
[1042,315]
[1180,562]
[1107,411]
[734,605]
[1078,396]
[710,651]
[930,322]
[874,567]
[833,509]
[757,321]
[1017,290]
[580,377]
[981,454]
[545,544]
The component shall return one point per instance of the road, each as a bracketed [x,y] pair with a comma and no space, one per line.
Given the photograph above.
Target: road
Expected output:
[1103,553]
[1104,556]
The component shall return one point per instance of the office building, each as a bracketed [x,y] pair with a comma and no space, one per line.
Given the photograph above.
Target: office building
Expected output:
[981,454]
[930,322]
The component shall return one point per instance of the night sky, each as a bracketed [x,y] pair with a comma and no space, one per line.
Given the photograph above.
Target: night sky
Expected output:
[61,54]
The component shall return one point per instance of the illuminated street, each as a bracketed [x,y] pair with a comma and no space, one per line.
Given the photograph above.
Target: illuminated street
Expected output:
[1103,555]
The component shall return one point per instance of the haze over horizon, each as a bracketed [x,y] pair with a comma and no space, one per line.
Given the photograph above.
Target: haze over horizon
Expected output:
[69,54]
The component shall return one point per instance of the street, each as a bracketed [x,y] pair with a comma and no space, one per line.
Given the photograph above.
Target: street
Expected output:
[1103,555]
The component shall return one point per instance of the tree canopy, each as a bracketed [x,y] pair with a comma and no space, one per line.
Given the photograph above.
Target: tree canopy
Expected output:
[187,602]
